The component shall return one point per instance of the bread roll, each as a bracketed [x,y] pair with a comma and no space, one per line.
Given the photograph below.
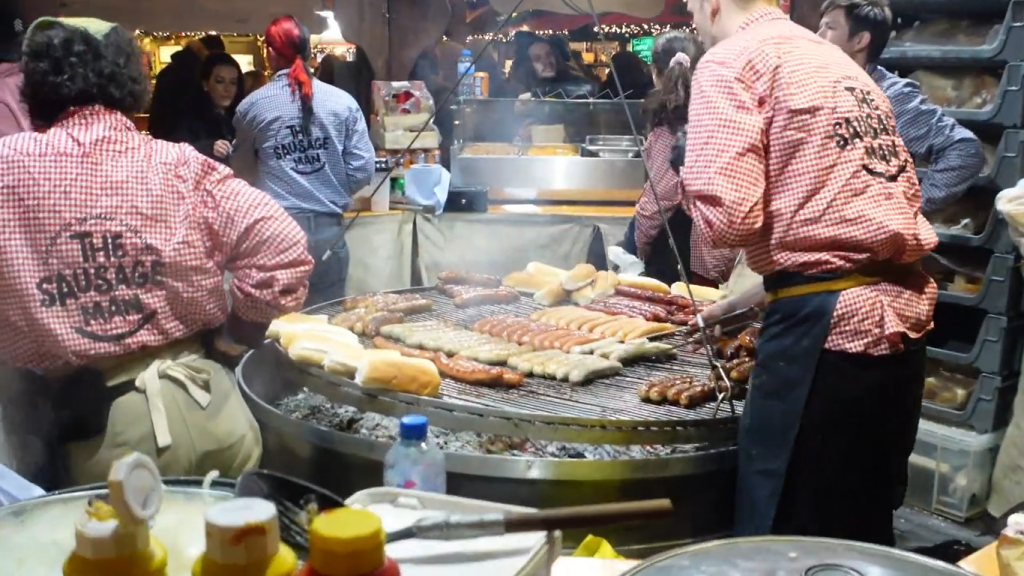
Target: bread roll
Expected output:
[313,349]
[291,333]
[345,362]
[643,283]
[401,374]
[551,295]
[527,282]
[604,284]
[581,275]
[699,292]
[541,269]
[294,319]
[583,296]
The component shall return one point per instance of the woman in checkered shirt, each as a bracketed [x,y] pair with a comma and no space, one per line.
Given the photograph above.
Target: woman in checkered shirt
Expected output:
[673,58]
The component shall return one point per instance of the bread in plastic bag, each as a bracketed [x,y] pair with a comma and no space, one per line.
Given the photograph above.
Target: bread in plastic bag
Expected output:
[1010,203]
[946,33]
[957,89]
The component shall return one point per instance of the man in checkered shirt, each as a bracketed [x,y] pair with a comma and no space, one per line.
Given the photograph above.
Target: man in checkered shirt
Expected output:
[793,156]
[306,144]
[112,263]
[861,28]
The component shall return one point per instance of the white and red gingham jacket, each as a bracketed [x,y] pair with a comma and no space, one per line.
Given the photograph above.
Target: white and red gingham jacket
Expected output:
[113,241]
[792,154]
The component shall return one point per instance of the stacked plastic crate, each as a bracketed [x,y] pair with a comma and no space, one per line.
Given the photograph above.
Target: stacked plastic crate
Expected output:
[975,348]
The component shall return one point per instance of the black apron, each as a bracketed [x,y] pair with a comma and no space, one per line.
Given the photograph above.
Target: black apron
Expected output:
[792,337]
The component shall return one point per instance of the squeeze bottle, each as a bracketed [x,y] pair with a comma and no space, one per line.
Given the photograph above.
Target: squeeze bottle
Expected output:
[243,538]
[347,542]
[113,539]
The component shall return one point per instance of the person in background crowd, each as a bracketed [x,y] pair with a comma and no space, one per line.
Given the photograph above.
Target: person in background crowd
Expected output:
[776,165]
[541,67]
[674,57]
[208,124]
[306,144]
[13,118]
[576,61]
[861,29]
[633,74]
[177,86]
[252,81]
[147,230]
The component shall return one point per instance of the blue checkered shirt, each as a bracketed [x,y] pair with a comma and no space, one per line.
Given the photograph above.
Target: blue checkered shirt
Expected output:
[310,172]
[954,154]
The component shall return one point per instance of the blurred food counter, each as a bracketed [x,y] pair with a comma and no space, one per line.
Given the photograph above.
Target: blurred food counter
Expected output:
[400,249]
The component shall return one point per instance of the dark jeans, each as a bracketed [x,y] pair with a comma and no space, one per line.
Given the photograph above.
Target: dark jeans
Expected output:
[848,470]
[327,282]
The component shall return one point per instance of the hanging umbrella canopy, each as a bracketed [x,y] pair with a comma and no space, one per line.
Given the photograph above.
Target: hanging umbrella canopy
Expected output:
[635,8]
[674,13]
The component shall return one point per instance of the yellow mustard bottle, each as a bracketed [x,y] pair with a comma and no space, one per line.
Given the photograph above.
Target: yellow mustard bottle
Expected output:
[113,539]
[348,542]
[243,538]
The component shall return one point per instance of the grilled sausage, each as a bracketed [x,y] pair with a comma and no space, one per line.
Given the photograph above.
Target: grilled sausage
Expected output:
[373,323]
[748,338]
[385,344]
[657,393]
[643,391]
[477,373]
[469,279]
[484,297]
[698,396]
[742,372]
[409,307]
[675,393]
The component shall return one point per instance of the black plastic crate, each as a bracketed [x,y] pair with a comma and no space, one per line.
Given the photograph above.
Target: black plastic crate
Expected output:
[970,337]
[1008,46]
[949,8]
[995,236]
[1000,293]
[988,409]
[1006,169]
[1008,108]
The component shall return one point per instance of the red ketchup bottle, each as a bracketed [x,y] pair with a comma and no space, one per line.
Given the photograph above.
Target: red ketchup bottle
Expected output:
[347,542]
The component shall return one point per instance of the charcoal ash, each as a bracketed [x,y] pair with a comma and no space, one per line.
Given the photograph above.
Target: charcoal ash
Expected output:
[318,410]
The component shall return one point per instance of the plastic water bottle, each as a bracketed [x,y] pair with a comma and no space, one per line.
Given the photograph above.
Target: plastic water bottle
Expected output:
[466,69]
[413,462]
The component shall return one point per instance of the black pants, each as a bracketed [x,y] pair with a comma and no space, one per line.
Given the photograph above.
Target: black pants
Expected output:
[848,470]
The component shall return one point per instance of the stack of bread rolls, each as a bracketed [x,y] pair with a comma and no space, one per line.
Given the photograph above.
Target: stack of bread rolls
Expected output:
[581,285]
[311,340]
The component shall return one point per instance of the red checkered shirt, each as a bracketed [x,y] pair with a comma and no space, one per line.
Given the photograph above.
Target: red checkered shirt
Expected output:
[712,263]
[115,241]
[792,154]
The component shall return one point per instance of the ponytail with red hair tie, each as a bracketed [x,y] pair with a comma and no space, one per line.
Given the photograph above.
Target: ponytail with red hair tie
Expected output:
[290,41]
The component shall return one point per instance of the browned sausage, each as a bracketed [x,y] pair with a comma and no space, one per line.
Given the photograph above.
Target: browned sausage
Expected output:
[697,396]
[385,344]
[469,279]
[473,372]
[657,393]
[643,392]
[656,298]
[409,307]
[676,392]
[742,372]
[373,323]
[484,297]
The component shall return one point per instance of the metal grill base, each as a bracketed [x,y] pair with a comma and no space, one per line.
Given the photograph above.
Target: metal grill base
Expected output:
[700,484]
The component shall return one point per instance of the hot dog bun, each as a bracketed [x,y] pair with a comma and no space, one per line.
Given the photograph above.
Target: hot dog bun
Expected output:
[294,319]
[583,296]
[551,295]
[581,275]
[401,374]
[313,349]
[527,281]
[345,363]
[545,271]
[643,283]
[699,292]
[290,333]
[605,283]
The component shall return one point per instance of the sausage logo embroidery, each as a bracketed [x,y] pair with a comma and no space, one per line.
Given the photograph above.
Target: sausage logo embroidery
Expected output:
[301,150]
[861,124]
[97,269]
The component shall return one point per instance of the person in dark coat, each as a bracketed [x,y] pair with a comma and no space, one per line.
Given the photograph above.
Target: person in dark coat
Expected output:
[207,124]
[634,75]
[177,86]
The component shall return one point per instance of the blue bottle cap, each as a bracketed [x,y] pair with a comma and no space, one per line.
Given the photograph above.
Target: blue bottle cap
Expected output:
[466,52]
[412,427]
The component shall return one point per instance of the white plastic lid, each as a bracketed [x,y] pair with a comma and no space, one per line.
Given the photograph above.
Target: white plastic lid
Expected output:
[242,531]
[1015,522]
[136,491]
[102,539]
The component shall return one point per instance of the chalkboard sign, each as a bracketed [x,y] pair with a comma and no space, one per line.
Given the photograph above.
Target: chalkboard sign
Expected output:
[642,47]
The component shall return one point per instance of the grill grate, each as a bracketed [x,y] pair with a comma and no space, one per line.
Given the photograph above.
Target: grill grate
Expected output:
[608,399]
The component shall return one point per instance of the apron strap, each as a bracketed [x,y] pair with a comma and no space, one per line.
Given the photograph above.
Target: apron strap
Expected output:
[184,371]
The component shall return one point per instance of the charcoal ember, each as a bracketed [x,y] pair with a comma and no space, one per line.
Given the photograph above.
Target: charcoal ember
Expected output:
[318,410]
